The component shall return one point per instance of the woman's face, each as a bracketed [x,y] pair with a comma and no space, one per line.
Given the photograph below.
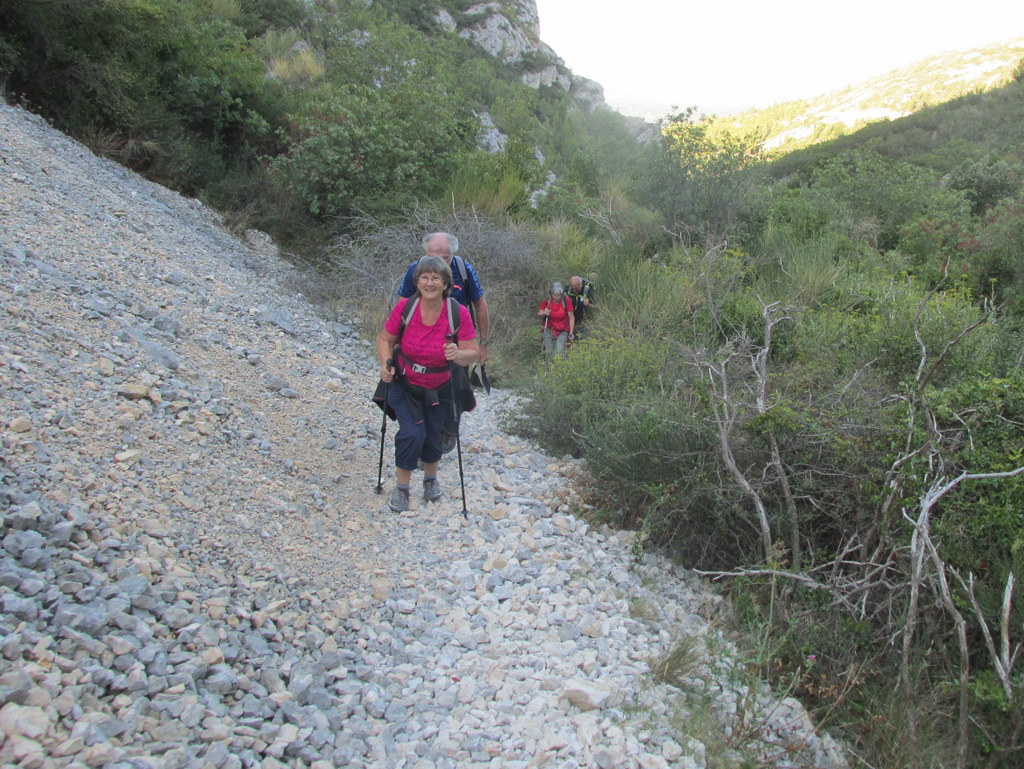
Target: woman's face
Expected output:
[430,284]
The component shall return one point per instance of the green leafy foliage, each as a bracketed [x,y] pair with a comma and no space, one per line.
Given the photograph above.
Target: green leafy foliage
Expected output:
[984,182]
[982,523]
[164,86]
[356,148]
[993,256]
[709,176]
[888,194]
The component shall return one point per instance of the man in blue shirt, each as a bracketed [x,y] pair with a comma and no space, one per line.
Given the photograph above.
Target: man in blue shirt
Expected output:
[466,288]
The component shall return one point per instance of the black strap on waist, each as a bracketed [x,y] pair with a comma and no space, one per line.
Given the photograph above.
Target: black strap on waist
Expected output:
[404,364]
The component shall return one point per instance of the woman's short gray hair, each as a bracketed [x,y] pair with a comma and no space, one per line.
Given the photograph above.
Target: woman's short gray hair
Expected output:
[437,266]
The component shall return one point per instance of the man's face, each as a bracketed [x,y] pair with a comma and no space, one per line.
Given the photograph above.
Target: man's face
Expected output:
[438,246]
[575,285]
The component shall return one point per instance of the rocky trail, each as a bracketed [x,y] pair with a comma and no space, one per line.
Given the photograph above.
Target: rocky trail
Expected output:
[196,571]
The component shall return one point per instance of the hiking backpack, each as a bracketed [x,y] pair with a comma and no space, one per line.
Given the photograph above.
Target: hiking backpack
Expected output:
[462,389]
[453,317]
[566,305]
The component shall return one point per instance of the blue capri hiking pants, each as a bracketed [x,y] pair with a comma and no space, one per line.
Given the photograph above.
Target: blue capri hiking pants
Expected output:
[417,440]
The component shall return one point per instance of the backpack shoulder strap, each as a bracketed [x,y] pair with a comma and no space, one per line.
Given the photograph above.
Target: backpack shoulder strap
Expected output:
[453,315]
[407,311]
[461,264]
[453,318]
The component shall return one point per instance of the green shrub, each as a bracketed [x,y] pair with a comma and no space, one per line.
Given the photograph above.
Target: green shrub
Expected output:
[981,523]
[364,148]
[994,255]
[168,88]
[489,183]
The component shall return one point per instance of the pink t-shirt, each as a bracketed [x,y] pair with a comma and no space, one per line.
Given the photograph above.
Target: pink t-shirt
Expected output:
[424,344]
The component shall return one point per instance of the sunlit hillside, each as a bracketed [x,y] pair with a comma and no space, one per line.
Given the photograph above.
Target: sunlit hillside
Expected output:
[892,95]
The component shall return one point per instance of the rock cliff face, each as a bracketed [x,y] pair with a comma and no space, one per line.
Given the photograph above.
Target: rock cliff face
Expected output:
[510,31]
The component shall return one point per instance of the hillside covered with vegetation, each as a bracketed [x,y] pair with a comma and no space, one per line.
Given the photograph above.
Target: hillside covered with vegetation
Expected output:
[932,81]
[297,115]
[804,376]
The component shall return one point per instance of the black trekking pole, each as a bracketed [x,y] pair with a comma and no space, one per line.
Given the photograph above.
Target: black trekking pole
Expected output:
[462,483]
[458,430]
[383,429]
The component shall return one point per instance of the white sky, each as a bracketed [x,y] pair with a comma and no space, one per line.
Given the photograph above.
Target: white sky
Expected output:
[728,55]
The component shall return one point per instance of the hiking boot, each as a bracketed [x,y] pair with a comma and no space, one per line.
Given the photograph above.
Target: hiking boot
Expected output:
[431,490]
[399,501]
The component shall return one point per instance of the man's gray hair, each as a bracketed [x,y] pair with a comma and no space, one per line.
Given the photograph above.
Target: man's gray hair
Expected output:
[453,242]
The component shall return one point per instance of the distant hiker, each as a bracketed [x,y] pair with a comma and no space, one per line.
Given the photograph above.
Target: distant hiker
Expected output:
[417,351]
[466,288]
[581,293]
[559,321]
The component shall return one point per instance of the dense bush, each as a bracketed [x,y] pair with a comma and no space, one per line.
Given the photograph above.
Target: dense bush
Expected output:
[165,87]
[358,148]
[782,412]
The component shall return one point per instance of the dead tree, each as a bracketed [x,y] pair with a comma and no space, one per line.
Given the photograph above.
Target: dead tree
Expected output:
[922,552]
[727,408]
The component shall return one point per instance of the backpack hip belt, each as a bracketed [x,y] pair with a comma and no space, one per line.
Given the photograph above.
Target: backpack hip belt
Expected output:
[418,369]
[403,364]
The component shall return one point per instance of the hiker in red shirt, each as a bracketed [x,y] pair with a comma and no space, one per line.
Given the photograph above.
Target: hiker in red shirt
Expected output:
[559,321]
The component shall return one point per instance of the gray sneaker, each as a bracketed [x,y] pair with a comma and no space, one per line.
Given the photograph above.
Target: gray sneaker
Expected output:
[431,490]
[399,501]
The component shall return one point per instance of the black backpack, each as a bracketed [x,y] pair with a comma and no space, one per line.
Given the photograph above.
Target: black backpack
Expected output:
[586,291]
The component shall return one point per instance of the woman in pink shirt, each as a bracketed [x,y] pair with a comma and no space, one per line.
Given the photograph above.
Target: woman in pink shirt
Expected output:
[419,359]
